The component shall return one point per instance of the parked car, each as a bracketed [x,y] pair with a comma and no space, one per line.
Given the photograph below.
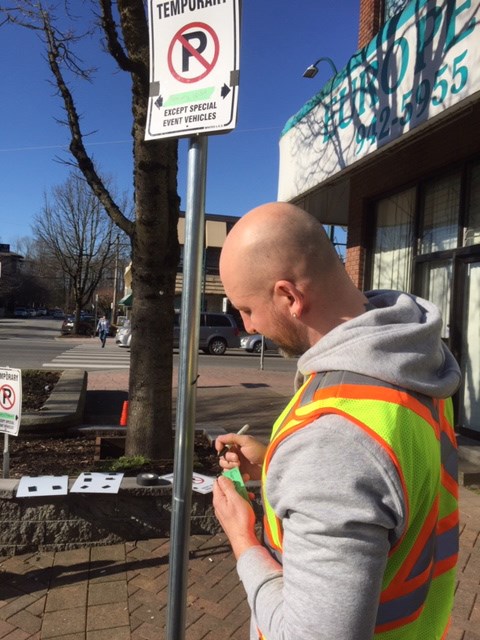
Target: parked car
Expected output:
[58,314]
[31,312]
[41,311]
[86,326]
[218,331]
[124,335]
[20,312]
[253,343]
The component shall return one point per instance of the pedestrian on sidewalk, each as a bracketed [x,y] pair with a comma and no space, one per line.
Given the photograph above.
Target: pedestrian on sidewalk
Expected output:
[359,478]
[103,327]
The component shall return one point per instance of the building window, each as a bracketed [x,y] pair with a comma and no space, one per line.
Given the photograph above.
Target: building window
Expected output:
[441,210]
[472,234]
[392,254]
[392,7]
[212,260]
[435,283]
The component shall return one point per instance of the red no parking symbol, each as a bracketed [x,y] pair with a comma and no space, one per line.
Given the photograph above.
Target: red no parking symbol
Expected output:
[7,397]
[185,53]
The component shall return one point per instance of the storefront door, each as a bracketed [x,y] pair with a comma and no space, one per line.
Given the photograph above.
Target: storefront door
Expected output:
[435,280]
[469,396]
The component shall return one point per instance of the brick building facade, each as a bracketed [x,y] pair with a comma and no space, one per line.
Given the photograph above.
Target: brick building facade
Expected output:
[395,145]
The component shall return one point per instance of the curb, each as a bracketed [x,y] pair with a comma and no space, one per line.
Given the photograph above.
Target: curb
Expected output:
[63,409]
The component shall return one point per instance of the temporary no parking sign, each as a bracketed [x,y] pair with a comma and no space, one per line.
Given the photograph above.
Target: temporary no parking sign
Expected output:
[10,400]
[194,67]
[187,63]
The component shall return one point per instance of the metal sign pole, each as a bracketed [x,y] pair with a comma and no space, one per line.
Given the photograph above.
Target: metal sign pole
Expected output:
[6,457]
[95,318]
[186,397]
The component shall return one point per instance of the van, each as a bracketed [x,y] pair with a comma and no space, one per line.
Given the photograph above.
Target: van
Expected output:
[124,335]
[218,332]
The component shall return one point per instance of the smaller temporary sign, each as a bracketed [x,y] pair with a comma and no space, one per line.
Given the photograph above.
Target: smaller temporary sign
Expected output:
[10,400]
[194,67]
[200,483]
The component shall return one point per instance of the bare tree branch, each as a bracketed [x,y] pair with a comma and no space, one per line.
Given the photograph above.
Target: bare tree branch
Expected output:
[79,234]
[39,17]
[114,45]
[56,54]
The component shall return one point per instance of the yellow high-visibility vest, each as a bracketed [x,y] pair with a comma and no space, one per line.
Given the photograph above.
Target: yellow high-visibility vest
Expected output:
[417,434]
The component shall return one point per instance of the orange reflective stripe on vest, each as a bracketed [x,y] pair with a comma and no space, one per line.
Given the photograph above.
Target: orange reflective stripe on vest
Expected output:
[417,434]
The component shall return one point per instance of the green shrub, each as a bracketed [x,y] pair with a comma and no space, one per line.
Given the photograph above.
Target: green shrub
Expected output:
[128,462]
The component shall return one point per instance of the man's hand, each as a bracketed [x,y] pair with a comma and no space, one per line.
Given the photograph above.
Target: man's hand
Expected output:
[235,515]
[246,452]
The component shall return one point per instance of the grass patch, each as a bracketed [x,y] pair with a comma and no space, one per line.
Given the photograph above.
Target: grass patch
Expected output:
[126,463]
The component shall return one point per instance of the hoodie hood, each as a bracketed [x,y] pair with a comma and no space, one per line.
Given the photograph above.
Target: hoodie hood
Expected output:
[397,340]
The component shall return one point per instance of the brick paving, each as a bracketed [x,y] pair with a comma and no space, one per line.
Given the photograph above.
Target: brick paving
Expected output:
[466,612]
[119,592]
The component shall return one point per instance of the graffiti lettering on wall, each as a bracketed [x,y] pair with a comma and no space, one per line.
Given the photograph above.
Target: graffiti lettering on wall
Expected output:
[424,61]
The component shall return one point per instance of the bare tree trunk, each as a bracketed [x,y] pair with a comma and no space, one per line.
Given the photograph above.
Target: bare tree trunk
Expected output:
[154,264]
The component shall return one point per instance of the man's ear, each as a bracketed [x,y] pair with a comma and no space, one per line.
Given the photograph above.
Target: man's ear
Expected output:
[289,297]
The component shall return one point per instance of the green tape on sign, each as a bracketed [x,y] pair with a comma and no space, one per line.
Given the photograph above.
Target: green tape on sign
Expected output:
[189,96]
[8,416]
[236,477]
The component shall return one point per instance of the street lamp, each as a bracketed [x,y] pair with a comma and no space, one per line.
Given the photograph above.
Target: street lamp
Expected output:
[312,70]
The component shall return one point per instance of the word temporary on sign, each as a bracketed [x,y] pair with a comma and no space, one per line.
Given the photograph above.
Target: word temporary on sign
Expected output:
[177,7]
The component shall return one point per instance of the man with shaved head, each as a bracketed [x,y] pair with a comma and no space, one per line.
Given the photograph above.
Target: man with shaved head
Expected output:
[359,478]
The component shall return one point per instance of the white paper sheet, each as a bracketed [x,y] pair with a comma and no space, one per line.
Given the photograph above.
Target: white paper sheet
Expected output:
[35,486]
[96,482]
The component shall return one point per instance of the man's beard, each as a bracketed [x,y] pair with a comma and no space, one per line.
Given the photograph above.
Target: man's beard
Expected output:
[287,352]
[289,338]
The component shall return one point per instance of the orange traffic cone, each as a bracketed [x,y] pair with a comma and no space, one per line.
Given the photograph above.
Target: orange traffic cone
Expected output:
[124,416]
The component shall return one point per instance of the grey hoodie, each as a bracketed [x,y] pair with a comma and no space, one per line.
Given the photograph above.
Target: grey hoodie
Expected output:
[336,490]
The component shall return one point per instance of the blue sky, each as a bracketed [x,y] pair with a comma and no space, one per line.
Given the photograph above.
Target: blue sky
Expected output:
[278,41]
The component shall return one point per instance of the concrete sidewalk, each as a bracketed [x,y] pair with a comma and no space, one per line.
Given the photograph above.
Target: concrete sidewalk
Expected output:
[120,591]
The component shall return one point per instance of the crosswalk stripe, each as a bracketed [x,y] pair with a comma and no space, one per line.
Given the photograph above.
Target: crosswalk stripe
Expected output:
[85,365]
[86,356]
[90,356]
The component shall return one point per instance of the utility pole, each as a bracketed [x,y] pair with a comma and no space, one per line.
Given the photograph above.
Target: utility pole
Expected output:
[115,283]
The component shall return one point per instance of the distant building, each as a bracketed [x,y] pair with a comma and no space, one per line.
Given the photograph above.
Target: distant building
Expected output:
[9,279]
[212,295]
[216,230]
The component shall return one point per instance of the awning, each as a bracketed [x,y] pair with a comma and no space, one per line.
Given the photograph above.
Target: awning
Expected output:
[126,301]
